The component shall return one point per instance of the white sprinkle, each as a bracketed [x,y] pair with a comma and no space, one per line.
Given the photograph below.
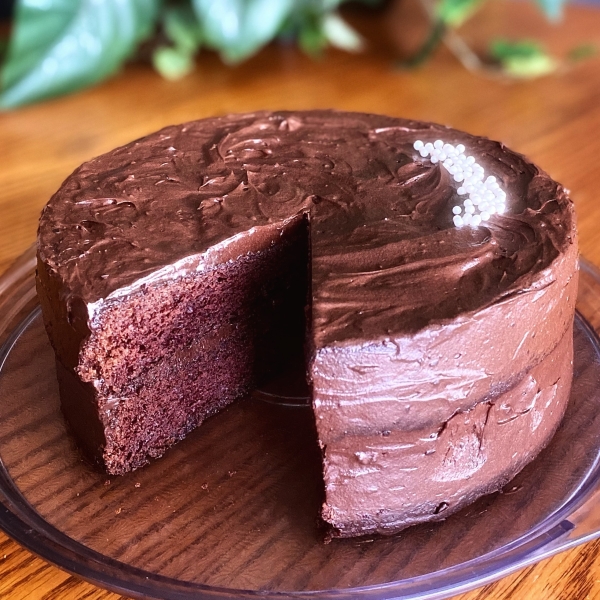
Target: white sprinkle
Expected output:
[484,195]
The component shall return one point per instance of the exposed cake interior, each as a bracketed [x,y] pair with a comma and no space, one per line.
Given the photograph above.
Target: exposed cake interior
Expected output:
[172,353]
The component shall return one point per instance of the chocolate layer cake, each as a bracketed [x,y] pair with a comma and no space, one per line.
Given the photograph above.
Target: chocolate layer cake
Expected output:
[177,272]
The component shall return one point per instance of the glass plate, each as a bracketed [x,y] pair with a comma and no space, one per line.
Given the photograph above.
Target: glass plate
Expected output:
[231,512]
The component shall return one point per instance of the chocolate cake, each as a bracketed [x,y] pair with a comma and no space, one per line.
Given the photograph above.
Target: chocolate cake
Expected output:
[177,272]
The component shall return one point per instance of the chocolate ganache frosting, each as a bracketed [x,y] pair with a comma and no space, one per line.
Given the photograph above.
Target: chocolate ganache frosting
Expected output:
[415,327]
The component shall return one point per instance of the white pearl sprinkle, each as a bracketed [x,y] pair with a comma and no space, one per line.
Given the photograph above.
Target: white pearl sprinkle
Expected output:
[484,197]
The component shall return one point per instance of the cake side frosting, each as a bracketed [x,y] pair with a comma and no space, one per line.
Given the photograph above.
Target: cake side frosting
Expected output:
[406,381]
[382,484]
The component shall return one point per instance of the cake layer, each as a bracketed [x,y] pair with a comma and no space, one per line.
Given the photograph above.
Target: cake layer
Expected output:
[384,483]
[166,356]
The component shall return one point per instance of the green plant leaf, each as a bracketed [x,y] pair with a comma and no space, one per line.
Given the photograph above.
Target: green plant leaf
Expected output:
[339,34]
[182,28]
[523,59]
[311,38]
[582,52]
[59,46]
[530,67]
[239,28]
[172,62]
[455,12]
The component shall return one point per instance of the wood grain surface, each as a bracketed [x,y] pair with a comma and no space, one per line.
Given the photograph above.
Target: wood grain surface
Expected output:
[554,120]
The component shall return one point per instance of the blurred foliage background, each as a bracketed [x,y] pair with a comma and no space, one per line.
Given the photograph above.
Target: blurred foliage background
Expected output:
[55,47]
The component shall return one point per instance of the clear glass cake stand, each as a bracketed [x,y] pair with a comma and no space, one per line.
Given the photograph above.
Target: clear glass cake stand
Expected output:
[231,512]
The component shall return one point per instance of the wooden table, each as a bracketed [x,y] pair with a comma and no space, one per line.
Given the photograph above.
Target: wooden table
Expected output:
[556,121]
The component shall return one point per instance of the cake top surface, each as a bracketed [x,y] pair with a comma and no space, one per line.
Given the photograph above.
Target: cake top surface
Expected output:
[383,240]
